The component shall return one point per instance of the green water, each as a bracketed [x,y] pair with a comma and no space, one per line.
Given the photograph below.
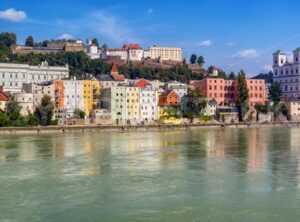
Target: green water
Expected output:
[187,175]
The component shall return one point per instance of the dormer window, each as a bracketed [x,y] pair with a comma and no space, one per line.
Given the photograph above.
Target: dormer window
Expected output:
[281,61]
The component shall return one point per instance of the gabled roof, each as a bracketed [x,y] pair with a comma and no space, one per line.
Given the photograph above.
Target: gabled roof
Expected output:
[142,83]
[3,97]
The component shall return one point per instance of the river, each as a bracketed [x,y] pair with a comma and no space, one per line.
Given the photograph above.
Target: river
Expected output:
[182,175]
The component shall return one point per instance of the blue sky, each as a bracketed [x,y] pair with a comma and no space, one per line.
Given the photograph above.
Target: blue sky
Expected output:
[230,34]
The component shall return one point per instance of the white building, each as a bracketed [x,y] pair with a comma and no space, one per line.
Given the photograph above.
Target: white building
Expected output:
[148,105]
[287,73]
[131,52]
[39,90]
[166,53]
[73,96]
[25,100]
[12,76]
[92,51]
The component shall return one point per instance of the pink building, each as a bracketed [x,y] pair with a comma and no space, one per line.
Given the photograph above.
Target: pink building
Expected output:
[225,91]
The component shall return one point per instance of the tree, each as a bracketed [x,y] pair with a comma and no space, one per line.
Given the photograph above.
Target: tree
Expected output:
[45,43]
[13,111]
[195,103]
[193,58]
[275,93]
[104,46]
[79,114]
[200,61]
[95,42]
[44,111]
[29,41]
[243,94]
[6,40]
[4,119]
[231,75]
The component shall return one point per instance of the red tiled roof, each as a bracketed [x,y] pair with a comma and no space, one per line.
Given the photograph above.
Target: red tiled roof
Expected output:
[3,97]
[131,46]
[142,83]
[115,73]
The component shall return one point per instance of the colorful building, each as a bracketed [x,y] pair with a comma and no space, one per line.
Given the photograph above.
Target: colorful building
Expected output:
[225,91]
[3,99]
[148,105]
[91,95]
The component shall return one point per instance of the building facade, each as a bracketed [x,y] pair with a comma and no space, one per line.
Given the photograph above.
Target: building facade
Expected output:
[148,105]
[12,76]
[225,91]
[165,53]
[287,73]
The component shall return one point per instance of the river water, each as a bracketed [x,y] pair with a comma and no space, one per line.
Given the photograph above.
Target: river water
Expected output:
[184,175]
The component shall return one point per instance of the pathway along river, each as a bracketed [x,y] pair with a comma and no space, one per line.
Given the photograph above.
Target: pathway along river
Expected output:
[183,175]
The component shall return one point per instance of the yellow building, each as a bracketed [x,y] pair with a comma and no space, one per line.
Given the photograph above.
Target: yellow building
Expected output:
[166,53]
[91,95]
[133,105]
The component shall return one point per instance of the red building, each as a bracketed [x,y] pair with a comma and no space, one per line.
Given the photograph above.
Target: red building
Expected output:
[225,91]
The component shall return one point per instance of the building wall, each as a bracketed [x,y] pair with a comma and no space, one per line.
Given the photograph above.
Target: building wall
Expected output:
[40,90]
[12,76]
[73,96]
[287,73]
[132,105]
[226,91]
[59,94]
[25,100]
[91,92]
[293,107]
[148,105]
[135,54]
[166,53]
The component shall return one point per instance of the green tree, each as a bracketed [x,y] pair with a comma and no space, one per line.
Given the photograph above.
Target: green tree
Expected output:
[6,40]
[193,58]
[45,43]
[231,75]
[45,111]
[275,93]
[79,114]
[194,103]
[13,110]
[243,94]
[29,41]
[95,42]
[4,119]
[104,46]
[200,61]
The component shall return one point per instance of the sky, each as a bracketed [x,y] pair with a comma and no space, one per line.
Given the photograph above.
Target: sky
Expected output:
[230,34]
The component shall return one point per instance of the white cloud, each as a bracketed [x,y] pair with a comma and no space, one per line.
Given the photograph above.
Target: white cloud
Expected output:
[65,36]
[149,11]
[206,43]
[248,53]
[267,67]
[230,44]
[13,15]
[111,27]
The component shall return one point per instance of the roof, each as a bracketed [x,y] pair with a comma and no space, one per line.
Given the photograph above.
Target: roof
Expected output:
[278,52]
[105,78]
[3,97]
[141,83]
[114,68]
[131,46]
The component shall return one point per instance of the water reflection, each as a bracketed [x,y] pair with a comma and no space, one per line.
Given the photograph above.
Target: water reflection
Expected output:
[144,174]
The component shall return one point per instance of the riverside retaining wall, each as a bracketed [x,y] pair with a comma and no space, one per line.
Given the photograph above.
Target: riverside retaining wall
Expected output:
[93,128]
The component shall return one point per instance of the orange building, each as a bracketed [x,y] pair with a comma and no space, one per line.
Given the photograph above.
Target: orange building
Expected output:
[59,94]
[169,98]
[225,91]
